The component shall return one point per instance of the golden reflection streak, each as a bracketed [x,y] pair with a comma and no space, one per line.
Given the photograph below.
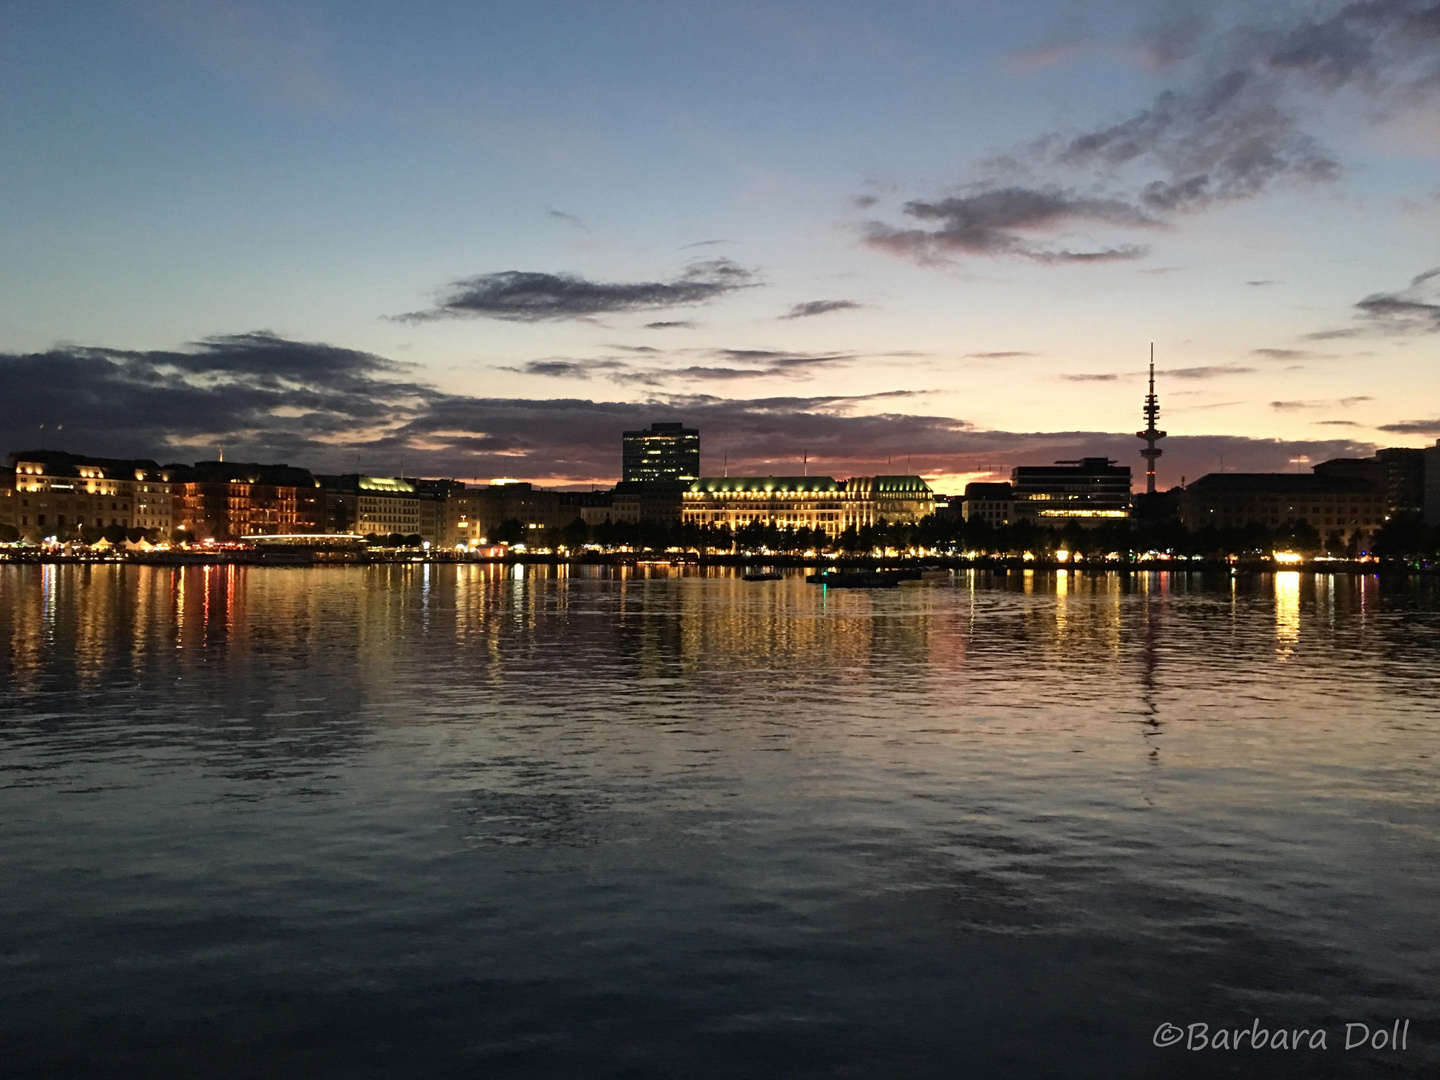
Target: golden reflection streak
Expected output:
[1287,610]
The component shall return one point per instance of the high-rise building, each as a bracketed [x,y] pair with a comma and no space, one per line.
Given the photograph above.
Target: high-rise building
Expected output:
[664,453]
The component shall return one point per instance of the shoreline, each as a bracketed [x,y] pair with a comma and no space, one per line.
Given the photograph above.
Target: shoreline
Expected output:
[1002,564]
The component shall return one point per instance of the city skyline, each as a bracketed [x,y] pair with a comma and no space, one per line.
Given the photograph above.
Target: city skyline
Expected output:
[941,238]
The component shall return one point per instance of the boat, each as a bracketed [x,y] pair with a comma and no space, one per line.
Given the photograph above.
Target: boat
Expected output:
[865,579]
[763,575]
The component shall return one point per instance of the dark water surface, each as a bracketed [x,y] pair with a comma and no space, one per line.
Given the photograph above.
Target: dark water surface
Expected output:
[477,822]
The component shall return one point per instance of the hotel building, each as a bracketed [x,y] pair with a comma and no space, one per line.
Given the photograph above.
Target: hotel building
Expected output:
[814,502]
[55,490]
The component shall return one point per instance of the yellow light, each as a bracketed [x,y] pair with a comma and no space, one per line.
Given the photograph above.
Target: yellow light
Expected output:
[1062,556]
[1289,558]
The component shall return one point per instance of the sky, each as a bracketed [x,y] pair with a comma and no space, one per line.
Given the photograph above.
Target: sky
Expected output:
[482,239]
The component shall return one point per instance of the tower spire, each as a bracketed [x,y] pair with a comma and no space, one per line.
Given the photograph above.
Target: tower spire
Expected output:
[1151,434]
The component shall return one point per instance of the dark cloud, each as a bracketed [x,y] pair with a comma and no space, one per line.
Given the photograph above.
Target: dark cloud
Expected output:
[998,355]
[333,409]
[566,369]
[1415,309]
[1108,376]
[1259,283]
[1227,130]
[569,219]
[673,324]
[523,296]
[1413,427]
[819,307]
[1281,354]
[1211,371]
[1344,403]
[997,222]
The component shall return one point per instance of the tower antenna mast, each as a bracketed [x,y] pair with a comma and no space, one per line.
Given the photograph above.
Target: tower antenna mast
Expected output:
[1151,434]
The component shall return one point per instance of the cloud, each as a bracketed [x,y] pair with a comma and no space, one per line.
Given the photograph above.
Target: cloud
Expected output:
[819,307]
[333,409]
[997,222]
[1211,371]
[672,324]
[1413,427]
[569,219]
[1260,283]
[999,355]
[1108,376]
[1228,128]
[1344,403]
[523,296]
[1338,423]
[1281,354]
[565,369]
[1413,310]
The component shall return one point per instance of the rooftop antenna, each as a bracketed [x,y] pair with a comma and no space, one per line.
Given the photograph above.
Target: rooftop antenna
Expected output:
[727,464]
[221,449]
[1151,434]
[805,461]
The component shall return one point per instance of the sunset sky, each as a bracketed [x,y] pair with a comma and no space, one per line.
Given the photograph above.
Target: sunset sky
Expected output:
[477,239]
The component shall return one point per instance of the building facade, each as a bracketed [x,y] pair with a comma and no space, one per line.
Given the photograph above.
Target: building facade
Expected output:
[1398,472]
[813,502]
[55,490]
[1330,504]
[229,500]
[668,453]
[989,502]
[472,515]
[1089,492]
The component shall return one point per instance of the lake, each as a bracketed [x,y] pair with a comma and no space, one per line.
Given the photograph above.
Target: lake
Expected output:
[489,821]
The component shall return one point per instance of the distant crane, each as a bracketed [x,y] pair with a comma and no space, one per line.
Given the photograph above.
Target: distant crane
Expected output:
[1151,434]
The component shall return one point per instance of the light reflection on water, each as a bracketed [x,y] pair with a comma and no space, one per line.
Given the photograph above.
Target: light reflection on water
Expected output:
[433,820]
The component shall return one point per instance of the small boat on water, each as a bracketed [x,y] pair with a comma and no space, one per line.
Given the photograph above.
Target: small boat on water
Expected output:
[766,575]
[865,579]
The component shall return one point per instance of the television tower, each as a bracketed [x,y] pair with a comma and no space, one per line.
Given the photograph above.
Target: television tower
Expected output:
[1151,434]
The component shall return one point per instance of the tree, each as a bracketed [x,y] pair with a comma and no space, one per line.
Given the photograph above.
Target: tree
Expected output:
[510,531]
[576,534]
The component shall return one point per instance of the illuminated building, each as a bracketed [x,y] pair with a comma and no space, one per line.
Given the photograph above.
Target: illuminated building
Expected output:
[226,499]
[472,515]
[1089,491]
[988,502]
[54,489]
[1347,505]
[814,502]
[667,453]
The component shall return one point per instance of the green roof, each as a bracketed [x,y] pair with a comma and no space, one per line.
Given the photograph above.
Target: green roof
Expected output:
[762,484]
[901,485]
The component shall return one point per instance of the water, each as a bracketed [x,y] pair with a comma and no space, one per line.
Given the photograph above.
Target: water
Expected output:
[467,821]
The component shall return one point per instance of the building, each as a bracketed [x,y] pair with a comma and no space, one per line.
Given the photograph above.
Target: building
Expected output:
[1399,472]
[1432,483]
[988,502]
[665,452]
[227,500]
[814,502]
[7,504]
[591,507]
[652,500]
[1090,491]
[57,490]
[472,515]
[894,500]
[1344,504]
